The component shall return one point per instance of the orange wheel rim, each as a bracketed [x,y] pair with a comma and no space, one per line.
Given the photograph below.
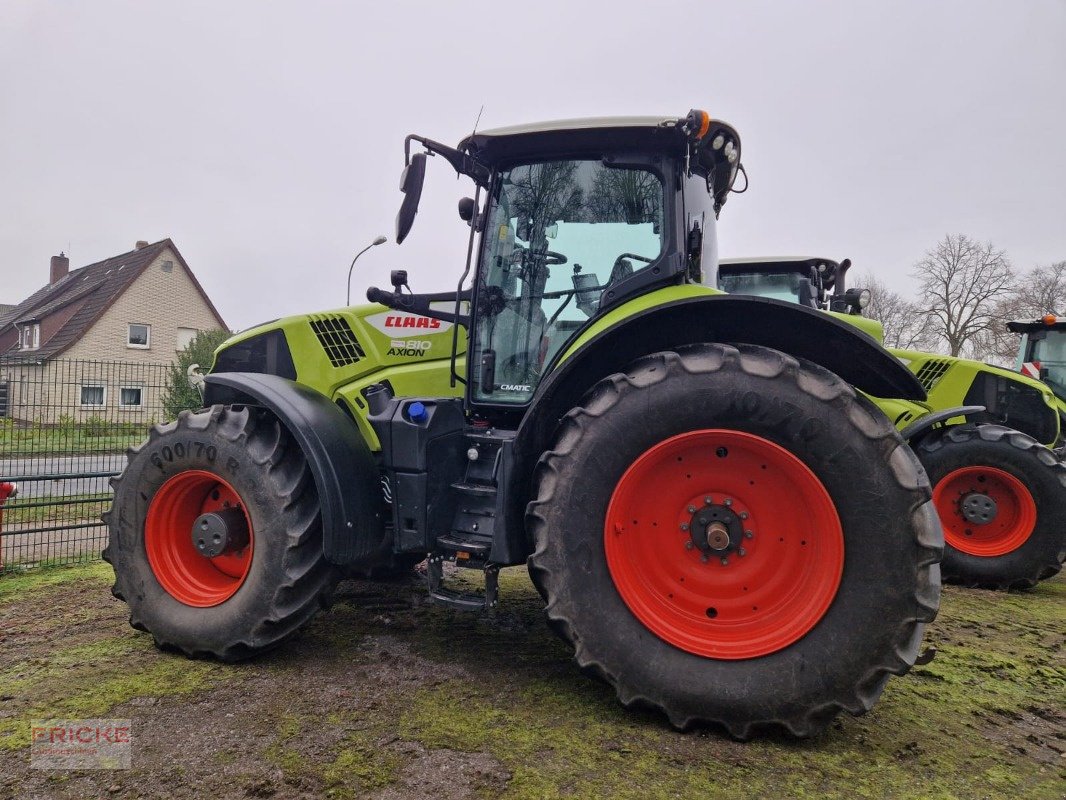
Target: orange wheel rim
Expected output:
[186,574]
[984,511]
[724,544]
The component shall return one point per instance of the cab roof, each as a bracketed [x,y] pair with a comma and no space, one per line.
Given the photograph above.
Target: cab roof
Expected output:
[1029,326]
[581,123]
[516,142]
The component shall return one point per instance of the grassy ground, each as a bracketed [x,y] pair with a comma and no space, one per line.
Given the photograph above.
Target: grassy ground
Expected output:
[69,440]
[385,696]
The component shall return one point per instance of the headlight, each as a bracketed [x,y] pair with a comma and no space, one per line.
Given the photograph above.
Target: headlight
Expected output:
[857,299]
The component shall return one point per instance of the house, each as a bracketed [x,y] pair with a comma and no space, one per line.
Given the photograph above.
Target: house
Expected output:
[95,341]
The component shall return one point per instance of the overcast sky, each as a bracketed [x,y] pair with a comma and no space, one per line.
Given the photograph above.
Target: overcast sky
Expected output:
[266,139]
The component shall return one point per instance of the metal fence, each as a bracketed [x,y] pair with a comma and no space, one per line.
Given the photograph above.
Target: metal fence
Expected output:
[64,429]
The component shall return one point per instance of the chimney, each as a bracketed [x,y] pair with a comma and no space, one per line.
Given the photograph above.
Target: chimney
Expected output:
[141,244]
[58,269]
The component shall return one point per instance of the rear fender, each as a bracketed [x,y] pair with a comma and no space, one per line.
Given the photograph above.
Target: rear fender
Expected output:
[643,327]
[344,470]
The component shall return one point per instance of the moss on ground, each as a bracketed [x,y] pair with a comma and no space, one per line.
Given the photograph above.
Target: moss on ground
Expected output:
[359,764]
[89,680]
[954,728]
[15,585]
[84,679]
[346,708]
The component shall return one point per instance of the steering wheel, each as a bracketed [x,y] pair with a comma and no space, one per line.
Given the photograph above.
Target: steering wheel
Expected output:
[547,257]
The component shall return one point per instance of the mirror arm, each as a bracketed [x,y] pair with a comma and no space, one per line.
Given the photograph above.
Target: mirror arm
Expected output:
[461,162]
[420,303]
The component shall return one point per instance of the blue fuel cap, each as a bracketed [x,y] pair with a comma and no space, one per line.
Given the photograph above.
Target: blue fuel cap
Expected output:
[417,412]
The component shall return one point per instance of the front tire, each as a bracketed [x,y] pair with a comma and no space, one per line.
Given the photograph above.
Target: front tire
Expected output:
[836,582]
[1001,497]
[263,588]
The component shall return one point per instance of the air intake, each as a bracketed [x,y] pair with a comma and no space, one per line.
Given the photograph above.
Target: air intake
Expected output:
[931,372]
[337,339]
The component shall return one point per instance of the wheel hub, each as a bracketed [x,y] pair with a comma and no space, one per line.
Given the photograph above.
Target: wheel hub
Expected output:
[978,508]
[716,528]
[220,532]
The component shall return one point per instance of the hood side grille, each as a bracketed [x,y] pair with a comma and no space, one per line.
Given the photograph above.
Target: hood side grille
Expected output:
[931,372]
[337,339]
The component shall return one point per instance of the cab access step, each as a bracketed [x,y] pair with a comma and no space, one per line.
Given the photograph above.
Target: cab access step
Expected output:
[445,476]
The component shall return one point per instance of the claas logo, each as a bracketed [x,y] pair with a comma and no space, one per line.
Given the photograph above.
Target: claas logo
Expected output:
[407,321]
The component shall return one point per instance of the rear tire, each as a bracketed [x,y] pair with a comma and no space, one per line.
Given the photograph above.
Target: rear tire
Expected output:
[743,670]
[183,598]
[1024,541]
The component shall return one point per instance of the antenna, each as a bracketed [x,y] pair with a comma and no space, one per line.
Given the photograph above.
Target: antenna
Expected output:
[476,121]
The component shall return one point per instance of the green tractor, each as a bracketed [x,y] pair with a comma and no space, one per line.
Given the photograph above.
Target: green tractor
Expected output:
[720,525]
[1042,356]
[997,485]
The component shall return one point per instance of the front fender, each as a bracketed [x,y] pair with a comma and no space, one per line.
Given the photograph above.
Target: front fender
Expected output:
[344,470]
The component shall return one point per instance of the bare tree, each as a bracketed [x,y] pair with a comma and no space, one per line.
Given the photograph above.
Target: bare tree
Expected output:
[1041,291]
[961,281]
[906,326]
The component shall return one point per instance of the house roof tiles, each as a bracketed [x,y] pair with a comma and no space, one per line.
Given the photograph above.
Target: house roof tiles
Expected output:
[96,286]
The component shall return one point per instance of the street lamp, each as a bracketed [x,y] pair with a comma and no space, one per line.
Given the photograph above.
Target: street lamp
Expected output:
[375,243]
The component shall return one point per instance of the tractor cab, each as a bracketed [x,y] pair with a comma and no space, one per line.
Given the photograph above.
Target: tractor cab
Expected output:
[578,217]
[1042,351]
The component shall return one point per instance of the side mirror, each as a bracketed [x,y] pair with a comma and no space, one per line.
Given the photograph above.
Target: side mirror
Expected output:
[467,209]
[414,175]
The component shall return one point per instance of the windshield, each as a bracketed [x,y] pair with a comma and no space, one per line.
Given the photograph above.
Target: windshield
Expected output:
[777,285]
[558,234]
[1050,351]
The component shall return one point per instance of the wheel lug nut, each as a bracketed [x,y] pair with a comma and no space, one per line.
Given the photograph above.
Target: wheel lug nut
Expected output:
[684,526]
[689,545]
[704,558]
[708,501]
[728,501]
[725,561]
[741,552]
[743,514]
[692,509]
[749,535]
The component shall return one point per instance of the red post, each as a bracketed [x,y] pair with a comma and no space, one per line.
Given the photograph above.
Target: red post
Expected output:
[6,490]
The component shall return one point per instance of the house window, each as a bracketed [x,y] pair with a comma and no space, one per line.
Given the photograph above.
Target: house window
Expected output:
[139,335]
[185,337]
[31,336]
[131,397]
[93,395]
